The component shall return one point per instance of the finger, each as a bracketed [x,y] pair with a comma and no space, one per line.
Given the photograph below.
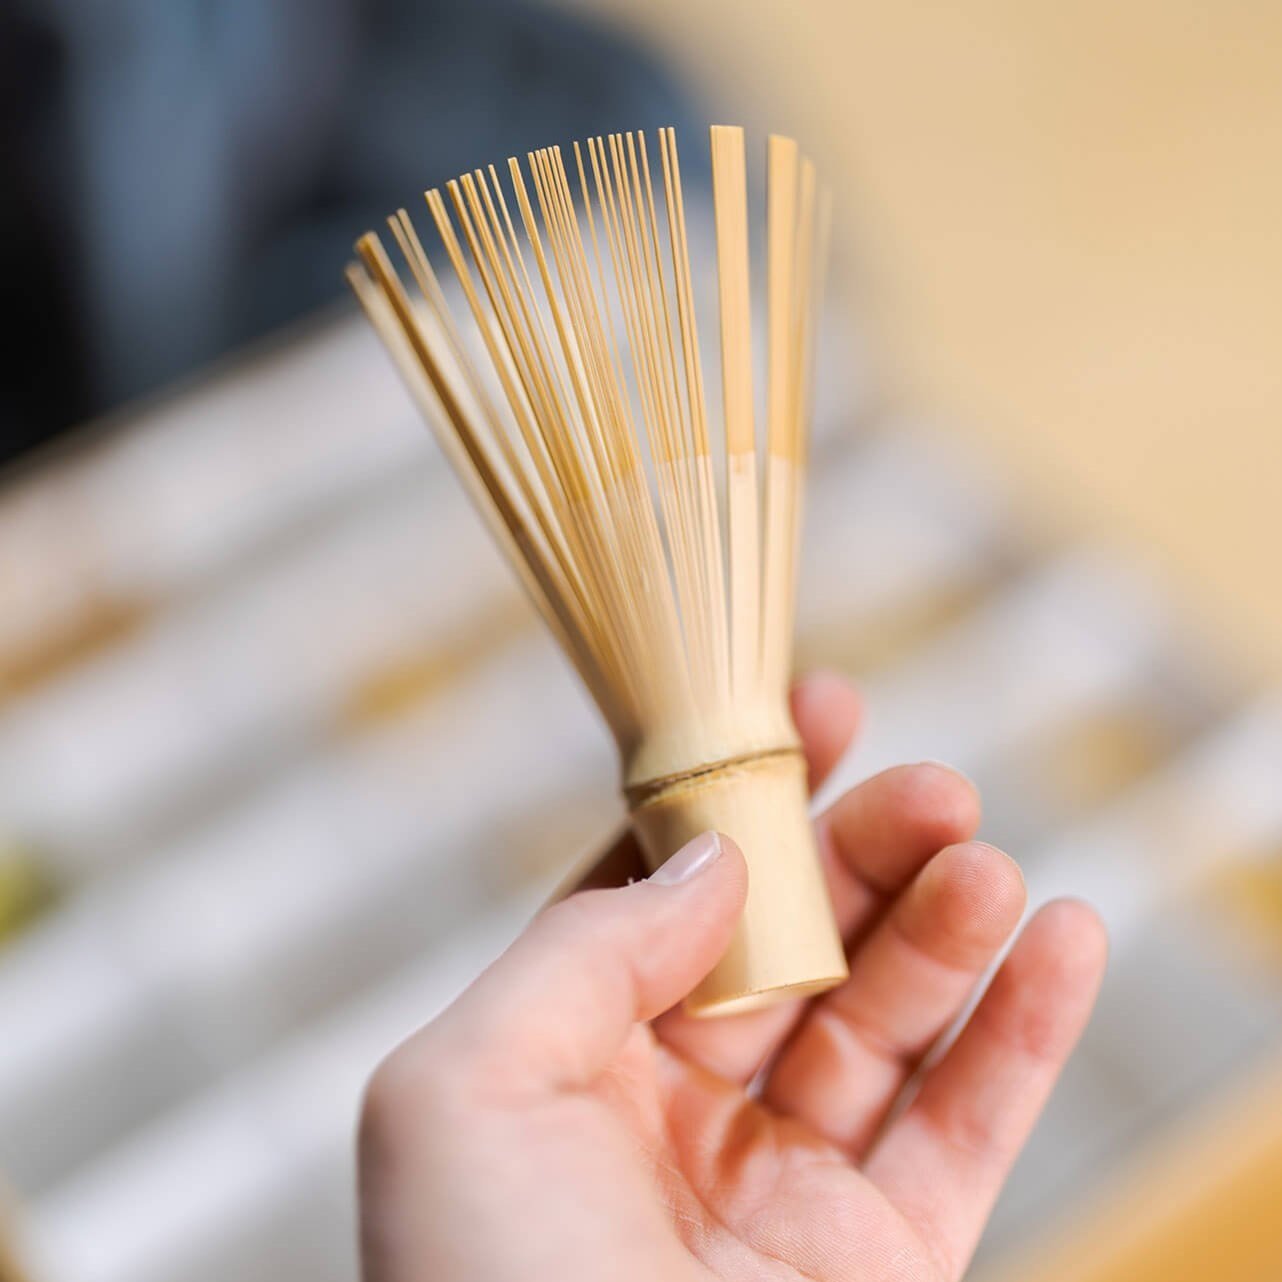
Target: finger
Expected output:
[559,1004]
[872,841]
[826,711]
[858,1044]
[944,1161]
[877,837]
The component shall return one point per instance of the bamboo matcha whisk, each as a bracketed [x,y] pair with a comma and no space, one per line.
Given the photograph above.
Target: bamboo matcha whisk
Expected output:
[584,436]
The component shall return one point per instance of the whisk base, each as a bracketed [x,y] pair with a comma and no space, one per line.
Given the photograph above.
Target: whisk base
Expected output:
[786,943]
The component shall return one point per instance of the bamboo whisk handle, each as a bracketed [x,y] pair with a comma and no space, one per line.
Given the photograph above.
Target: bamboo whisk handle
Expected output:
[787,943]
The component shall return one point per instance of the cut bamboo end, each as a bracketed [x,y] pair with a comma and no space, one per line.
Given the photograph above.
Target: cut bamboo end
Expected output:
[786,944]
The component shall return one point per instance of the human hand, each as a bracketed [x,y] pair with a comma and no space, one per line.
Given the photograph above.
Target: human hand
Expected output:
[556,1124]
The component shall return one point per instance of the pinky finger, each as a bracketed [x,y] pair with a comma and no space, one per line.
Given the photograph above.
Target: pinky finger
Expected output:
[944,1161]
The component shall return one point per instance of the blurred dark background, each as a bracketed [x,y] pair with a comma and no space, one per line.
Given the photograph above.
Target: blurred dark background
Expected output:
[182,178]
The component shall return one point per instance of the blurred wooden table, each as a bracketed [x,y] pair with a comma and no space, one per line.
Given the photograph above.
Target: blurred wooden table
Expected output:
[1068,219]
[1203,1207]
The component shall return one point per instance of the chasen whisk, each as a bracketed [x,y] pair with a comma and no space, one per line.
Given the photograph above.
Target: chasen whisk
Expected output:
[660,546]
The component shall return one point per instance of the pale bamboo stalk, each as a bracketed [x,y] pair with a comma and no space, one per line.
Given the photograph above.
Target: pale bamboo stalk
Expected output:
[730,205]
[783,462]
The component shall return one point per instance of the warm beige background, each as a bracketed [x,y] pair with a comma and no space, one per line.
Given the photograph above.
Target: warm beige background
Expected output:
[1069,217]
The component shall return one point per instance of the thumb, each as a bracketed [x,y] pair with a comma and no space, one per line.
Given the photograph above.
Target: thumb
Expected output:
[560,1003]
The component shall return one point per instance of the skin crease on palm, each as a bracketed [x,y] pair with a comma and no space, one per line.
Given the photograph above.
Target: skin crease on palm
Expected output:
[556,1124]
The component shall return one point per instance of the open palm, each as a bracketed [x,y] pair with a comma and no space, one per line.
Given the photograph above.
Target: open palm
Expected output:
[545,1128]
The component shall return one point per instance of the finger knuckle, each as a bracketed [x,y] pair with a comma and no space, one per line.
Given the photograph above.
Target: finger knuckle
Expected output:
[579,918]
[939,796]
[405,1085]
